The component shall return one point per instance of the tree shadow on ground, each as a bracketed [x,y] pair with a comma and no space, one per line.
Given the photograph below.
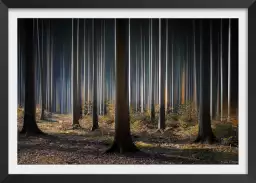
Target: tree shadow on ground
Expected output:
[195,156]
[47,121]
[82,147]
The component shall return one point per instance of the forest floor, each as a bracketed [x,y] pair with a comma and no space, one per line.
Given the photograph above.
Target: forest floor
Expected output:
[67,145]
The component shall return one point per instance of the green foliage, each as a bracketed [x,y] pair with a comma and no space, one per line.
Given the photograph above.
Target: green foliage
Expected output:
[227,133]
[110,108]
[140,121]
[136,121]
[107,119]
[186,111]
[183,124]
[223,130]
[87,108]
[141,144]
[175,117]
[20,112]
[136,125]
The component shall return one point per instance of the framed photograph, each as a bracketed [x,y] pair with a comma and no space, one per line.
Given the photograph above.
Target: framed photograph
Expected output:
[131,89]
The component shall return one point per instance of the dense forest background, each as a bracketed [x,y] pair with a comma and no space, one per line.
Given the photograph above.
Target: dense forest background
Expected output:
[162,90]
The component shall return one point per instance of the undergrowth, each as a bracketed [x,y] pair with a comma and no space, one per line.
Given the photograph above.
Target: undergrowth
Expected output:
[181,122]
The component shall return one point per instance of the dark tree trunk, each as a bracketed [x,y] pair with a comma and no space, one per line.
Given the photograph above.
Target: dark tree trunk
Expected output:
[122,141]
[50,68]
[79,71]
[75,105]
[95,124]
[152,74]
[205,134]
[30,127]
[43,84]
[105,108]
[161,122]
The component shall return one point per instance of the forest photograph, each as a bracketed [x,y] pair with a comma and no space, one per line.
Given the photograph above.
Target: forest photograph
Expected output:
[127,91]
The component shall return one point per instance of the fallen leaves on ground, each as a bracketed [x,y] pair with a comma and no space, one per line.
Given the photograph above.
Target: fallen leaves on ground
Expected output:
[66,145]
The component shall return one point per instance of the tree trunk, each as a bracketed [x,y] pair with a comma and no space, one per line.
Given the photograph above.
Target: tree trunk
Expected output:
[75,105]
[30,127]
[172,75]
[205,134]
[84,73]
[79,71]
[221,74]
[141,73]
[161,122]
[166,71]
[95,124]
[89,77]
[194,69]
[129,63]
[42,71]
[217,114]
[152,74]
[104,69]
[229,69]
[136,80]
[122,141]
[211,72]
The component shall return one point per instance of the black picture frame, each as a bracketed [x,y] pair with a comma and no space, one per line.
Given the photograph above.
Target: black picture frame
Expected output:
[6,4]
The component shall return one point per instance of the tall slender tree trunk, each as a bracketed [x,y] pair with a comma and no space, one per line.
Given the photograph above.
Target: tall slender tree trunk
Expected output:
[149,66]
[183,84]
[89,76]
[122,141]
[79,66]
[63,100]
[211,71]
[30,126]
[144,75]
[74,67]
[187,88]
[114,73]
[141,73]
[229,68]
[195,70]
[172,75]
[221,75]
[152,111]
[166,72]
[161,122]
[100,69]
[84,85]
[51,70]
[95,124]
[218,86]
[129,62]
[136,79]
[104,68]
[42,71]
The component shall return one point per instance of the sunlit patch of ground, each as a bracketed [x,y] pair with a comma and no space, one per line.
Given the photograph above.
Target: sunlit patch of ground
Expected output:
[67,145]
